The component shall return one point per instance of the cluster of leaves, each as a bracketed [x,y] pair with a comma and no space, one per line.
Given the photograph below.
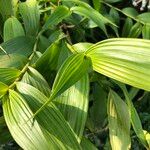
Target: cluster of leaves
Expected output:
[64,66]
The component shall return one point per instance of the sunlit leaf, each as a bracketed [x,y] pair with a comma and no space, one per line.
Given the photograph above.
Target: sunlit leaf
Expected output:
[119,122]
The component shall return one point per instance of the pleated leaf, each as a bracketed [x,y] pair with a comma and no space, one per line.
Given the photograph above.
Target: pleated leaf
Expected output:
[126,60]
[70,72]
[135,119]
[73,104]
[51,121]
[31,17]
[119,122]
[8,75]
[12,29]
[60,13]
[34,78]
[146,31]
[27,134]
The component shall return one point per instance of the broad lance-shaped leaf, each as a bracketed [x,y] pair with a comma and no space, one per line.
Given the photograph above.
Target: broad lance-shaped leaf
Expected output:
[34,78]
[12,29]
[60,13]
[8,75]
[31,17]
[125,60]
[51,121]
[135,120]
[73,104]
[27,134]
[70,72]
[119,122]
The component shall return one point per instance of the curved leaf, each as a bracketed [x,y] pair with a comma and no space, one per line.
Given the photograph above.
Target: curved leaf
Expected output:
[126,60]
[12,29]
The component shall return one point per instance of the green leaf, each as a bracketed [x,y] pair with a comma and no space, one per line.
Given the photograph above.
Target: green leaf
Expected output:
[51,121]
[12,29]
[129,11]
[70,72]
[31,17]
[19,45]
[144,17]
[135,120]
[3,88]
[35,79]
[60,13]
[8,75]
[125,60]
[8,8]
[135,31]
[73,104]
[146,31]
[87,145]
[16,112]
[48,61]
[119,122]
[127,27]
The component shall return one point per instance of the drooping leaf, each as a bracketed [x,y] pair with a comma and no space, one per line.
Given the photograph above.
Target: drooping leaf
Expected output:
[119,122]
[51,121]
[35,79]
[73,104]
[144,17]
[125,60]
[8,75]
[31,17]
[60,13]
[12,29]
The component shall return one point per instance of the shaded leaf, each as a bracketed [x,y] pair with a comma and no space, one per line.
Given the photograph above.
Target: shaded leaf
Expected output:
[12,29]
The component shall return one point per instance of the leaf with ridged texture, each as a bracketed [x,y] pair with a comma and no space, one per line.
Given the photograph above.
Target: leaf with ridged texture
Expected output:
[50,119]
[69,73]
[12,29]
[17,112]
[8,75]
[8,8]
[87,145]
[13,61]
[135,119]
[3,88]
[34,78]
[125,60]
[29,11]
[19,45]
[60,13]
[118,122]
[146,31]
[73,104]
